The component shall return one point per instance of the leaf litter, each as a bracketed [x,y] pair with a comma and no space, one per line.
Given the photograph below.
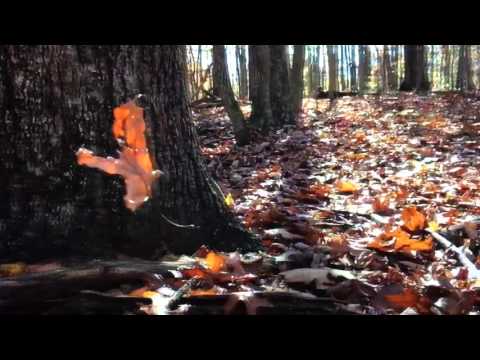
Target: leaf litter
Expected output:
[370,206]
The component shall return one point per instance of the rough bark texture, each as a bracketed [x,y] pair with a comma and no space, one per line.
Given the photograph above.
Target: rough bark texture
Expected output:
[55,99]
[364,68]
[332,70]
[297,78]
[221,76]
[280,86]
[464,71]
[415,69]
[261,115]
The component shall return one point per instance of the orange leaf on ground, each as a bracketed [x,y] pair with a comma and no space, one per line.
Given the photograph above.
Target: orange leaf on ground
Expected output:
[399,240]
[320,191]
[407,298]
[191,273]
[381,205]
[413,220]
[347,186]
[202,292]
[215,262]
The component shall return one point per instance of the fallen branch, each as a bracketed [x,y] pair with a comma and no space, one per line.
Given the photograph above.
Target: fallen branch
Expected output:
[473,272]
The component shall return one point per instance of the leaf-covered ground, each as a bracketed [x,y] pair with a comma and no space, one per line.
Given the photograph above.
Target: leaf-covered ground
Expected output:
[352,203]
[369,206]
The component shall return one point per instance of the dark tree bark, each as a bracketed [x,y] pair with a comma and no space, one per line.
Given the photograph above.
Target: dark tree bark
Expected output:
[280,92]
[259,64]
[464,71]
[394,66]
[55,99]
[222,78]
[297,78]
[415,69]
[332,71]
[364,68]
[242,71]
[353,69]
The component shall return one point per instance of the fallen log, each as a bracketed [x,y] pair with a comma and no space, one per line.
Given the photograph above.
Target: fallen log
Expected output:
[40,288]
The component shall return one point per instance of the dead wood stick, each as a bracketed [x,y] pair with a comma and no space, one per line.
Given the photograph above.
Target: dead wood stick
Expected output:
[473,272]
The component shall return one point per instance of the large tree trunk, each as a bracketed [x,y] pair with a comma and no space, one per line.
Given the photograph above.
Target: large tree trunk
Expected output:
[280,94]
[259,64]
[55,99]
[222,77]
[297,78]
[415,69]
[242,71]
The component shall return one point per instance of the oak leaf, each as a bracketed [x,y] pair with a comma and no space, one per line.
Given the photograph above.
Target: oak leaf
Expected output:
[134,163]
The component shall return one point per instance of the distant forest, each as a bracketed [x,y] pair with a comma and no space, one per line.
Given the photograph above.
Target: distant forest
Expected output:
[357,68]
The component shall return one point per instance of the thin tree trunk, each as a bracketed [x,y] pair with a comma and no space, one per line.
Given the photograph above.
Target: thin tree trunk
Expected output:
[297,78]
[353,69]
[364,68]
[332,71]
[222,78]
[50,206]
[242,71]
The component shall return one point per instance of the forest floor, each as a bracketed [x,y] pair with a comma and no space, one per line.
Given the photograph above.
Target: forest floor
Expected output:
[371,205]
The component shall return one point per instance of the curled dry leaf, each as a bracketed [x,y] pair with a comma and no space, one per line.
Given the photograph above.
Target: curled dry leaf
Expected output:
[413,220]
[134,163]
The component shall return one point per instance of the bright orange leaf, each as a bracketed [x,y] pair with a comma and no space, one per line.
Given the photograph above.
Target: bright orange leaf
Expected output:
[215,262]
[134,163]
[347,186]
[400,241]
[413,220]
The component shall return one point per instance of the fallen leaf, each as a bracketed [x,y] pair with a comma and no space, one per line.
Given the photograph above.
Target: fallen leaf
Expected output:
[13,269]
[215,262]
[381,205]
[229,200]
[413,220]
[346,187]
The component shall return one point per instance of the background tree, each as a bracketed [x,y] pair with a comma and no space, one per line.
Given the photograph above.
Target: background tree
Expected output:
[297,78]
[242,71]
[332,70]
[55,99]
[222,78]
[464,71]
[415,69]
[259,70]
[364,68]
[280,90]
